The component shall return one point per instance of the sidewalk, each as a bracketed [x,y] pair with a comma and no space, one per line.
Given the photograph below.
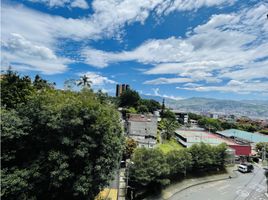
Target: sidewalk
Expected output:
[187,183]
[122,184]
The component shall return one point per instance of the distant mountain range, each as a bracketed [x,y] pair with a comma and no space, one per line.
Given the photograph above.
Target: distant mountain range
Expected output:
[249,108]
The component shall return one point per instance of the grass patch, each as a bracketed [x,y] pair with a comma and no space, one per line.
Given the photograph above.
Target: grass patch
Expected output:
[169,145]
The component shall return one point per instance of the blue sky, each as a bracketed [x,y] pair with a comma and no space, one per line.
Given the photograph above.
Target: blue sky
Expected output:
[168,48]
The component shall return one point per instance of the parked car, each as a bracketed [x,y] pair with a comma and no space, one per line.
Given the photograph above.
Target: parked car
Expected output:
[245,168]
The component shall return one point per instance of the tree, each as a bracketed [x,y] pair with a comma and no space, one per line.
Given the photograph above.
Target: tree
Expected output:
[59,145]
[149,168]
[129,98]
[84,82]
[130,146]
[151,105]
[219,152]
[40,83]
[14,89]
[143,109]
[260,147]
[168,127]
[210,124]
[194,116]
[202,156]
[206,157]
[168,114]
[102,97]
[179,161]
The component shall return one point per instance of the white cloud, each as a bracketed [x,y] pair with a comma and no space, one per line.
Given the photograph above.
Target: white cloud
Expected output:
[228,46]
[156,92]
[108,19]
[192,85]
[97,79]
[159,81]
[183,5]
[62,3]
[26,55]
[79,4]
[233,86]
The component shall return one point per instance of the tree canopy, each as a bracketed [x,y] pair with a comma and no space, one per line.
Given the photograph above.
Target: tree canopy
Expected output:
[129,98]
[58,144]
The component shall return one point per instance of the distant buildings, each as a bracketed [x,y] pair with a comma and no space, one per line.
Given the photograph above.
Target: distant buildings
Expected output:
[120,88]
[182,117]
[143,129]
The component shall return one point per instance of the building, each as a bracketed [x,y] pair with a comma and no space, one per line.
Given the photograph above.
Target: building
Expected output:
[143,129]
[243,136]
[189,137]
[182,117]
[120,88]
[193,122]
[214,116]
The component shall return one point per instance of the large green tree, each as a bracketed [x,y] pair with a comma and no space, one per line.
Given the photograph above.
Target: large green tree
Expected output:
[14,89]
[179,161]
[149,168]
[207,157]
[150,104]
[59,145]
[129,98]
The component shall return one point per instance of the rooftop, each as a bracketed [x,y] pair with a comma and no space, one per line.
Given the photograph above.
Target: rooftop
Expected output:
[201,136]
[252,137]
[140,118]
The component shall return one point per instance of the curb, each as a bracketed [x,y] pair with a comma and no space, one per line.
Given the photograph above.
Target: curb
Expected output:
[209,181]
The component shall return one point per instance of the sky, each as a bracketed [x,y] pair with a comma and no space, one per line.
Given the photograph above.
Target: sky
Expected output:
[168,48]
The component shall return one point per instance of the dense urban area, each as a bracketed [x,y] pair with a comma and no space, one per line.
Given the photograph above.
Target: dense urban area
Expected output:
[80,144]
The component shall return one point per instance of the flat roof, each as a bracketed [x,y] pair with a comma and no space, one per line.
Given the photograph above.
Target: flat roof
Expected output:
[251,137]
[140,118]
[201,136]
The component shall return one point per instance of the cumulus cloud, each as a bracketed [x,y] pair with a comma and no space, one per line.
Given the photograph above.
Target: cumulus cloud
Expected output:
[62,3]
[25,55]
[159,81]
[169,6]
[234,86]
[157,93]
[108,19]
[79,4]
[227,46]
[97,79]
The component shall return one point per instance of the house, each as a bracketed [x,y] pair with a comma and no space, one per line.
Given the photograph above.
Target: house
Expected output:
[142,128]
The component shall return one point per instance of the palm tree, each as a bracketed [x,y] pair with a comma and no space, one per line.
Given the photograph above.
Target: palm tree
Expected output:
[84,82]
[168,127]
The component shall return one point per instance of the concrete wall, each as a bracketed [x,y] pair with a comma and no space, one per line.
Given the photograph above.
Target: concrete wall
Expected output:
[143,128]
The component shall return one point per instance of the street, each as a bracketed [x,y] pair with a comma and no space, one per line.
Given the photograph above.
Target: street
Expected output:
[249,186]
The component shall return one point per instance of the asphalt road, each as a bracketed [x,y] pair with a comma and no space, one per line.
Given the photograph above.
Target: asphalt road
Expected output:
[249,186]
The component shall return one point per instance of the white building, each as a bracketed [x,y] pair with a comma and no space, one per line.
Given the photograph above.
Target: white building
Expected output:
[143,129]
